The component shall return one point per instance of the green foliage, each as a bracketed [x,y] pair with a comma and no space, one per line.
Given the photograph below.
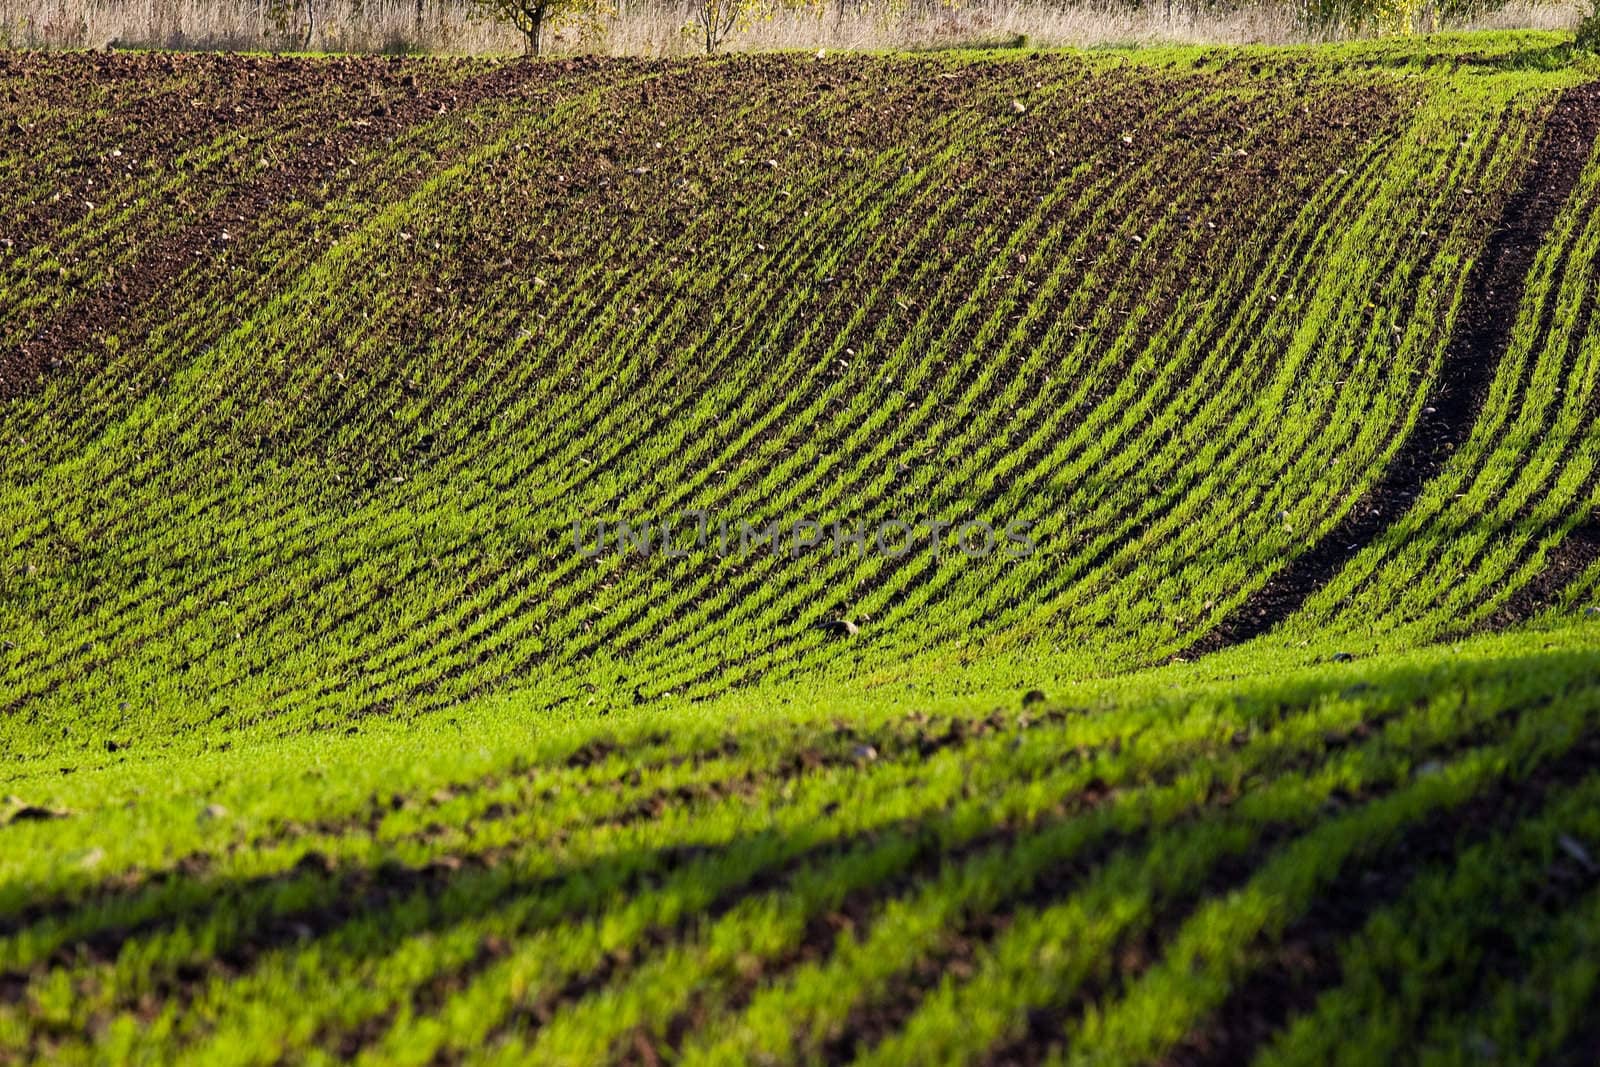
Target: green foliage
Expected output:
[1394,17]
[288,21]
[1588,34]
[714,21]
[534,18]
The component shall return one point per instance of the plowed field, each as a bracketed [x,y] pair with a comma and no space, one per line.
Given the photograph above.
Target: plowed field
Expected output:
[906,559]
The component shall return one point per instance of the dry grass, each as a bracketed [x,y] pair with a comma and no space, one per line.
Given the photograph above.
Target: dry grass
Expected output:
[266,25]
[446,26]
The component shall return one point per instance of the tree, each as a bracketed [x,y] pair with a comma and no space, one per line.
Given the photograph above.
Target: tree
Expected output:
[1588,35]
[715,20]
[530,17]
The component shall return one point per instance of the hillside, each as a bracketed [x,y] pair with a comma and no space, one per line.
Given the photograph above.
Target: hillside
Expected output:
[1270,371]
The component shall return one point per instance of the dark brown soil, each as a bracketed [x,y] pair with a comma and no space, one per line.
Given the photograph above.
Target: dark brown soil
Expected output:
[398,100]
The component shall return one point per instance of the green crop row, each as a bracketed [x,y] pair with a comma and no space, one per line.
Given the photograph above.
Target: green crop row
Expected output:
[324,739]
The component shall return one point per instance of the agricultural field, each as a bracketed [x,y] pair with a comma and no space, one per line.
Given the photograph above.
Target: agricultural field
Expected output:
[1112,567]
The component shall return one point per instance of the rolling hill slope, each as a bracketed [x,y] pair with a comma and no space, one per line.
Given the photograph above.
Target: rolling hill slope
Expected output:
[1238,406]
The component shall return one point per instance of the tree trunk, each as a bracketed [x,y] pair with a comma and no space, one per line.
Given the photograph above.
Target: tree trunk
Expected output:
[311,23]
[538,27]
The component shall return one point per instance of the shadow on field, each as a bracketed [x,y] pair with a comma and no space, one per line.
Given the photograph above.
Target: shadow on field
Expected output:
[1005,817]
